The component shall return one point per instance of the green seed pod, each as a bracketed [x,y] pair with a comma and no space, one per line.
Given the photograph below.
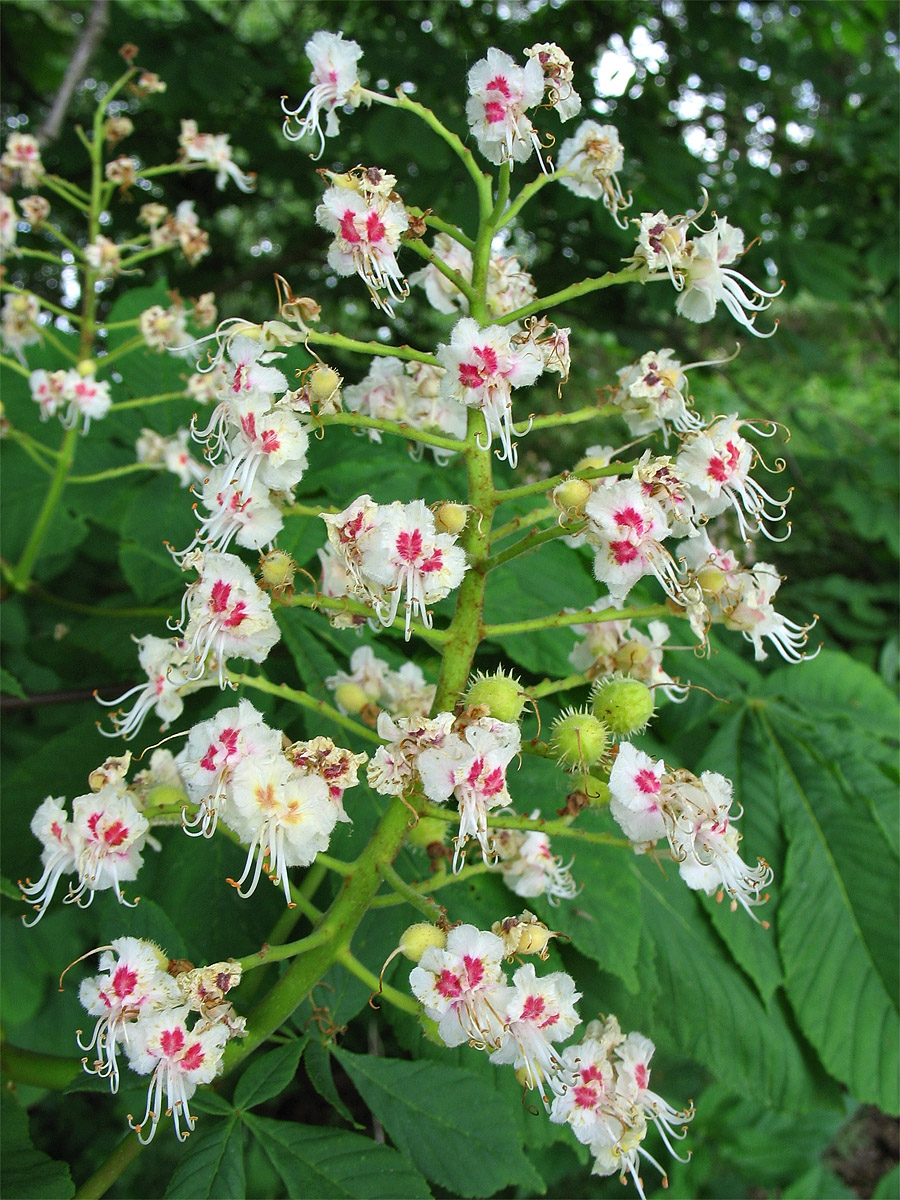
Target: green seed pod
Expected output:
[579,738]
[500,693]
[571,495]
[451,518]
[625,705]
[277,569]
[323,383]
[350,698]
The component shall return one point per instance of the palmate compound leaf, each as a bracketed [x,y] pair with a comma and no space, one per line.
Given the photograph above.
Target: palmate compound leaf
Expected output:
[445,1120]
[710,1010]
[27,1172]
[268,1075]
[213,1164]
[313,1162]
[837,922]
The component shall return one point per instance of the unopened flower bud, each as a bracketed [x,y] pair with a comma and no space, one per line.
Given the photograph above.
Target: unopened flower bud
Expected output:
[350,698]
[113,770]
[86,367]
[500,693]
[277,571]
[524,934]
[426,832]
[711,580]
[415,940]
[324,383]
[630,655]
[451,518]
[579,739]
[624,705]
[571,495]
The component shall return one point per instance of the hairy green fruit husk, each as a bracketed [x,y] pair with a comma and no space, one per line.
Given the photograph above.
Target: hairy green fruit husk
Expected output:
[501,694]
[625,705]
[579,739]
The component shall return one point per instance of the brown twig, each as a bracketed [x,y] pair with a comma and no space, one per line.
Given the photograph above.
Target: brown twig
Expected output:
[96,26]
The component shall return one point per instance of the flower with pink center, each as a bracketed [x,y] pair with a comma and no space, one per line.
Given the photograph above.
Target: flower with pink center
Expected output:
[483,366]
[500,92]
[539,1012]
[588,164]
[662,245]
[626,529]
[715,463]
[284,813]
[179,1060]
[110,835]
[471,767]
[636,795]
[633,1056]
[530,868]
[213,750]
[133,983]
[271,446]
[170,677]
[214,150]
[367,232]
[60,843]
[225,614]
[404,554]
[558,72]
[651,395]
[48,390]
[588,1103]
[242,514]
[462,987]
[345,532]
[170,453]
[335,84]
[22,157]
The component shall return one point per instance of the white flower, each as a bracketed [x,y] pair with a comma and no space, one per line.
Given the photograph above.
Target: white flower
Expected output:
[539,1012]
[20,325]
[134,982]
[530,868]
[636,798]
[180,1060]
[48,391]
[651,395]
[59,845]
[213,149]
[171,453]
[335,80]
[367,231]
[110,835]
[627,528]
[336,766]
[439,290]
[499,94]
[462,987]
[483,366]
[170,670]
[8,223]
[558,76]
[708,279]
[225,613]
[588,164]
[23,158]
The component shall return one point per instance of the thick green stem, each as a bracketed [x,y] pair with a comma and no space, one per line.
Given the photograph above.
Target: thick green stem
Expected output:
[398,429]
[587,616]
[103,1179]
[410,894]
[584,288]
[530,542]
[20,577]
[377,349]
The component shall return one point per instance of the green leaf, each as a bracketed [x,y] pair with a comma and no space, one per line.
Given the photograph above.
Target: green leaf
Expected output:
[10,685]
[208,1101]
[213,1164]
[27,1173]
[837,922]
[744,1044]
[445,1120]
[268,1076]
[836,686]
[312,660]
[314,1162]
[604,919]
[158,512]
[820,1182]
[888,1186]
[317,1063]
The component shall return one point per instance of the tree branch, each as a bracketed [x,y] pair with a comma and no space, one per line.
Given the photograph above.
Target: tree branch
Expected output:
[96,26]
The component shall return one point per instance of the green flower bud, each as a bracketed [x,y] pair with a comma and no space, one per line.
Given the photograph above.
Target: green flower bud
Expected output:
[350,698]
[571,495]
[451,518]
[323,383]
[415,940]
[625,705]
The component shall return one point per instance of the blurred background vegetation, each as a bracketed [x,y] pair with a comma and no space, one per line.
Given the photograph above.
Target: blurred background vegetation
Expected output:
[785,113]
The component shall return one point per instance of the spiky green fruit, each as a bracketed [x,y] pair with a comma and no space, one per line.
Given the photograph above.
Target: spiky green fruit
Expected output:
[579,738]
[500,693]
[625,705]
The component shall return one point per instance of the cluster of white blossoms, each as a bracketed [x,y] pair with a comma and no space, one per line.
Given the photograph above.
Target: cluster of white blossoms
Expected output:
[171,671]
[372,684]
[694,815]
[740,597]
[588,163]
[528,866]
[598,1086]
[651,395]
[176,229]
[171,454]
[386,553]
[21,162]
[213,150]
[262,443]
[509,285]
[408,393]
[71,395]
[618,648]
[101,843]
[700,268]
[143,1001]
[463,758]
[282,802]
[368,219]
